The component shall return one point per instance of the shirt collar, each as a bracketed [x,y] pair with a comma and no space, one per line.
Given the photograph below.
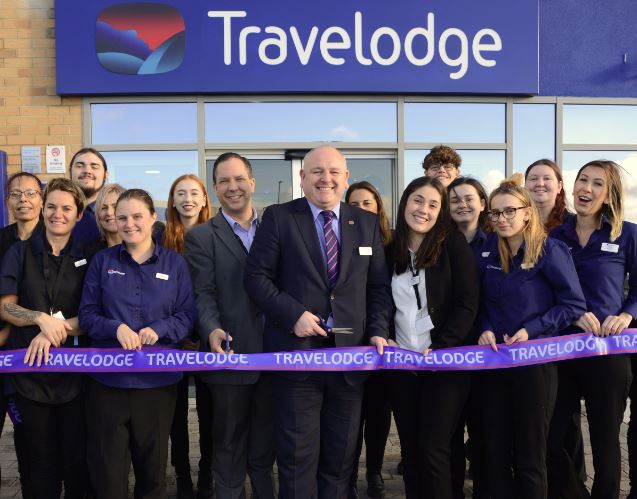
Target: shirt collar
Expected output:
[39,243]
[121,251]
[316,211]
[232,222]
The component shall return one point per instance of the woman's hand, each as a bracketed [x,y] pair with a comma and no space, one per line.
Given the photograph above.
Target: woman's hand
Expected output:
[521,335]
[54,329]
[588,322]
[38,348]
[392,343]
[615,324]
[148,336]
[128,338]
[488,338]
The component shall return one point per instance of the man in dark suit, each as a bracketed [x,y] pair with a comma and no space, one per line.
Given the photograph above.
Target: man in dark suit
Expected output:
[242,401]
[319,259]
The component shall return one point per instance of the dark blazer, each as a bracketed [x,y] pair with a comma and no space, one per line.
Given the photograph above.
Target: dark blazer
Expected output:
[286,275]
[453,292]
[217,259]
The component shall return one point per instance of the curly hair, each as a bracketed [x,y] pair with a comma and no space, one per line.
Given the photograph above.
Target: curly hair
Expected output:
[442,155]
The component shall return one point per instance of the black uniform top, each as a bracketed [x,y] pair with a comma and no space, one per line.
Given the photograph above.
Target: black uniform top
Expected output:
[9,235]
[48,284]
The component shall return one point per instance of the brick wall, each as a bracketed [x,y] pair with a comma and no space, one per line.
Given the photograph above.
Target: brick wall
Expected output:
[30,111]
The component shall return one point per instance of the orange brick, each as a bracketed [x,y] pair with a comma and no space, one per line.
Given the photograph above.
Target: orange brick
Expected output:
[42,43]
[17,44]
[20,139]
[59,110]
[41,129]
[49,139]
[18,63]
[33,111]
[7,33]
[32,52]
[42,23]
[6,53]
[60,130]
[9,130]
[15,23]
[8,91]
[3,140]
[72,119]
[36,91]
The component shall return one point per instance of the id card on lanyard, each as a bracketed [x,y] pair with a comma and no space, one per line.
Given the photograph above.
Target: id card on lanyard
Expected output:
[423,319]
[52,288]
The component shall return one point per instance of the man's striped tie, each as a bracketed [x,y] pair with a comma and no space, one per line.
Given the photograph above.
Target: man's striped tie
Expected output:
[331,247]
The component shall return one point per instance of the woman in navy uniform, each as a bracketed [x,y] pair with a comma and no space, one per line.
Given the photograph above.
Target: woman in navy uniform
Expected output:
[137,294]
[41,285]
[604,250]
[530,290]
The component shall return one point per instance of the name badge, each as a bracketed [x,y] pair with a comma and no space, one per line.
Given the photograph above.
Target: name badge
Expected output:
[81,262]
[485,254]
[161,276]
[365,250]
[424,324]
[526,266]
[610,247]
[58,315]
[414,280]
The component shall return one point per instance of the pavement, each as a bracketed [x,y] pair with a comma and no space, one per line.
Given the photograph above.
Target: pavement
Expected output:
[9,484]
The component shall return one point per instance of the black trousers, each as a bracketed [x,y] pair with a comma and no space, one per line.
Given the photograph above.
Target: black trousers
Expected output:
[632,428]
[179,440]
[374,426]
[604,382]
[477,448]
[20,446]
[124,425]
[316,418]
[517,407]
[428,408]
[56,447]
[243,424]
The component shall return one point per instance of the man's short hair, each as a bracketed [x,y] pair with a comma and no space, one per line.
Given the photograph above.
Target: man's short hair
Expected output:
[229,155]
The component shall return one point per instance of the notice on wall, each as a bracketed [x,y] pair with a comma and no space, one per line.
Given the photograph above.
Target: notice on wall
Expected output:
[31,159]
[55,159]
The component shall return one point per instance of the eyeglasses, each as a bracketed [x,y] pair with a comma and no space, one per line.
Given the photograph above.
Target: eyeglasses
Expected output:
[438,168]
[29,193]
[508,213]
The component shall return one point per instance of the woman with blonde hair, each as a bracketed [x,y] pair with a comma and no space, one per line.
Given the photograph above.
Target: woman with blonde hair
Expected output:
[604,250]
[530,290]
[105,219]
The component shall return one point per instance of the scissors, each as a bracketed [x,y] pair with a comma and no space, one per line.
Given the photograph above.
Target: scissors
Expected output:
[335,330]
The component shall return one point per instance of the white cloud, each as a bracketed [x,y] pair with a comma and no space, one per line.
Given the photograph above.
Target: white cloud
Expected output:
[342,132]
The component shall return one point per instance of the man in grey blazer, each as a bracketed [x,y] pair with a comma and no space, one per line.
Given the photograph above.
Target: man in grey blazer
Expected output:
[242,401]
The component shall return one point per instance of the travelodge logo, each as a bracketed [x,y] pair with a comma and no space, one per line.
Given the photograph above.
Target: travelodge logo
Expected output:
[140,38]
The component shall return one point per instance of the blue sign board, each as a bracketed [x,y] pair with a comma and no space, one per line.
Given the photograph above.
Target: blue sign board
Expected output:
[293,46]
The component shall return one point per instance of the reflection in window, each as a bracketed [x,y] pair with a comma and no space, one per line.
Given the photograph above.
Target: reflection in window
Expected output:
[153,171]
[379,173]
[273,182]
[156,123]
[533,134]
[301,122]
[455,122]
[599,124]
[487,166]
[574,160]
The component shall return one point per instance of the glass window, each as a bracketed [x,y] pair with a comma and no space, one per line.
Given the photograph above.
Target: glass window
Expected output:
[300,122]
[488,166]
[455,122]
[156,123]
[153,171]
[574,160]
[599,124]
[273,182]
[379,173]
[533,134]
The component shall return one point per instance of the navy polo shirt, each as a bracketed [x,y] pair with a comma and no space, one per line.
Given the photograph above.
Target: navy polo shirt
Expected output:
[85,230]
[543,299]
[602,266]
[157,293]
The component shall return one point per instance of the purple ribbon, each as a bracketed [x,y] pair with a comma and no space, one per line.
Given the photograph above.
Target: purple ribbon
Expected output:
[470,358]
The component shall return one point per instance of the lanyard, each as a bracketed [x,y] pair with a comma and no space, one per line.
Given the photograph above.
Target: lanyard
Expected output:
[51,288]
[415,281]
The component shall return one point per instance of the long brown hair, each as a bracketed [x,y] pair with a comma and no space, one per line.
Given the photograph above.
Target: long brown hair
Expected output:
[429,250]
[174,233]
[556,217]
[534,233]
[614,210]
[483,219]
[385,229]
